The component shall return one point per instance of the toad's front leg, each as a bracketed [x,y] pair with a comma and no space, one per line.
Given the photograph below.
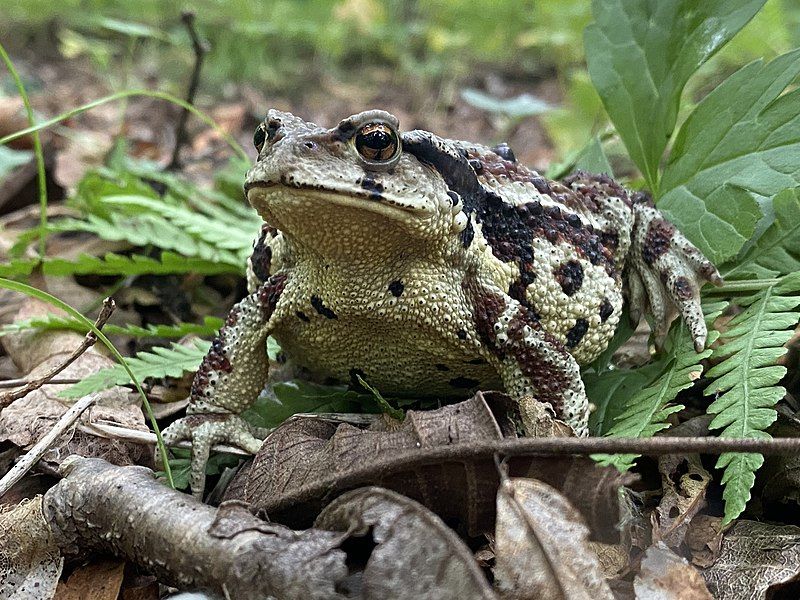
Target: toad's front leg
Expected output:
[530,361]
[232,375]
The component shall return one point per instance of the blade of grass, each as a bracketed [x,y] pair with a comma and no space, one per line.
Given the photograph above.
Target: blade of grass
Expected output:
[235,146]
[37,151]
[52,300]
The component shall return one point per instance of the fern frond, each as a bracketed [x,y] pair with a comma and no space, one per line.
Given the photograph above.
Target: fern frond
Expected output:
[219,235]
[116,264]
[209,327]
[161,362]
[746,381]
[645,413]
[147,230]
[17,267]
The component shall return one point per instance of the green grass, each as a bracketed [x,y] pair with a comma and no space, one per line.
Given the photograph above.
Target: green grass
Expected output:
[284,45]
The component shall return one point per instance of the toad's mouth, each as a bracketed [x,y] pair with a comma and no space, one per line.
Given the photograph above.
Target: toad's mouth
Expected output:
[273,195]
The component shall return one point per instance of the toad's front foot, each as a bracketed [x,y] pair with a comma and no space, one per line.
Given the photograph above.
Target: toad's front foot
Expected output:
[204,430]
[666,273]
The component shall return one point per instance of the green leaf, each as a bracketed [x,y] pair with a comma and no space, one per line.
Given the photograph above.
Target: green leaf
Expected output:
[593,158]
[130,28]
[97,185]
[116,264]
[161,362]
[518,107]
[384,404]
[640,54]
[209,327]
[608,390]
[740,145]
[777,250]
[284,399]
[219,235]
[18,267]
[746,380]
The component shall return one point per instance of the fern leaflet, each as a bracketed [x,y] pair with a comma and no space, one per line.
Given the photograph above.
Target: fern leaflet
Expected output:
[161,362]
[209,327]
[645,412]
[116,264]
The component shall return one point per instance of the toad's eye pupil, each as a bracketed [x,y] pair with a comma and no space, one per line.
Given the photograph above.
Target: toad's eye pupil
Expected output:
[259,137]
[377,142]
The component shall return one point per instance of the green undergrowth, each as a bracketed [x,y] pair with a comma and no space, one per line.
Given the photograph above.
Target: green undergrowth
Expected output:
[725,169]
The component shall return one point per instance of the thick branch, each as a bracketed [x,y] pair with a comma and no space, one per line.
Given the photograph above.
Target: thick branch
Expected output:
[125,511]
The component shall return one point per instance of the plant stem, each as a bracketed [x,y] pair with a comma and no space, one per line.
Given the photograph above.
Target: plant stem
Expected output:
[37,151]
[200,48]
[745,285]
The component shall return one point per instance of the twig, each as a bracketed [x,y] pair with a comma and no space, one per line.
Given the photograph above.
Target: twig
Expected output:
[138,436]
[15,383]
[32,457]
[200,47]
[655,446]
[7,398]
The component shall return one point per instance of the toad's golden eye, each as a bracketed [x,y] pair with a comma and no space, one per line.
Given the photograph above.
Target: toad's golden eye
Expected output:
[259,137]
[377,142]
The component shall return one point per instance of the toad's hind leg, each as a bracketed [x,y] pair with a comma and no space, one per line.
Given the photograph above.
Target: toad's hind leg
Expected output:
[530,361]
[665,272]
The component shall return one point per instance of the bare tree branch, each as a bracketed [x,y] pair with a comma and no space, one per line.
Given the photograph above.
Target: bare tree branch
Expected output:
[200,48]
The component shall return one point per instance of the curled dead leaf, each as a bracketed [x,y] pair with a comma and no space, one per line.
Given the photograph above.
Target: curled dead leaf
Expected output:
[415,555]
[667,576]
[306,462]
[756,561]
[541,546]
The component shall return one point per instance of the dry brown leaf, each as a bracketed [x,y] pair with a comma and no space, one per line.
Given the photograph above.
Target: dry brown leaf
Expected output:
[756,560]
[541,546]
[416,554]
[30,562]
[614,558]
[667,576]
[25,420]
[306,462]
[704,539]
[539,420]
[684,482]
[95,581]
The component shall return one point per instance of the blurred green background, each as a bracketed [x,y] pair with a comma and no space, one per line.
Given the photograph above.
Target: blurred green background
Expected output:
[410,51]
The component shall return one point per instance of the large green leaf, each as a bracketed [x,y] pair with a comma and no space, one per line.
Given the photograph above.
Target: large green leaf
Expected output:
[739,145]
[777,251]
[641,53]
[746,380]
